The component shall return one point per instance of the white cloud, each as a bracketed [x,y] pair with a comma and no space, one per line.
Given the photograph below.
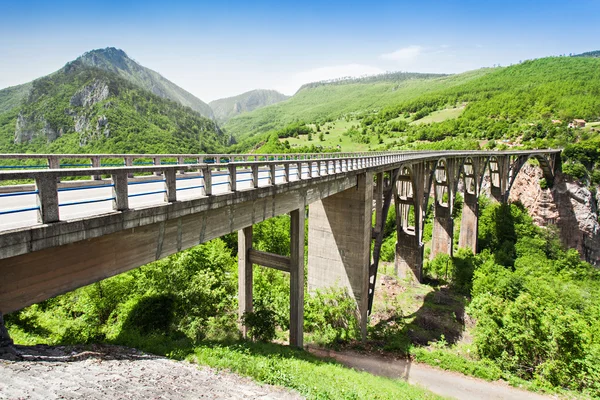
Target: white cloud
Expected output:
[405,54]
[325,73]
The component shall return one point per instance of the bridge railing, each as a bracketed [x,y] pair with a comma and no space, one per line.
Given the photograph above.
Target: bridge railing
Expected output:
[55,161]
[118,188]
[119,185]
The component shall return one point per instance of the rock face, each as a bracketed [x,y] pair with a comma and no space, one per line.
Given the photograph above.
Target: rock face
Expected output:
[567,204]
[90,94]
[87,126]
[28,128]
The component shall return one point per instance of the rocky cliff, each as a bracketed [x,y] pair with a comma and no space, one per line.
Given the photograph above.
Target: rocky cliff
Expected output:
[568,205]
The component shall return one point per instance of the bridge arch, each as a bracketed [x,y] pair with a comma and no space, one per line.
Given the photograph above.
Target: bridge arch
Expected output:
[441,183]
[406,188]
[547,163]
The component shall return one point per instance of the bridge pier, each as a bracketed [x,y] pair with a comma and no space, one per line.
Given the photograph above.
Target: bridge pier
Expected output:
[409,257]
[469,223]
[294,264]
[443,231]
[5,340]
[339,237]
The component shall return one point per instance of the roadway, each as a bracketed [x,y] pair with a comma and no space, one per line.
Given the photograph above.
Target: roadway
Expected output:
[20,209]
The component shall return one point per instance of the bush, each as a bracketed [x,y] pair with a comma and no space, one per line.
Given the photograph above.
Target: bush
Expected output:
[331,316]
[152,314]
[574,170]
[260,324]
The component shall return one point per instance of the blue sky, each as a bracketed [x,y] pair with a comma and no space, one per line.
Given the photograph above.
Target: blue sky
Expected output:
[224,48]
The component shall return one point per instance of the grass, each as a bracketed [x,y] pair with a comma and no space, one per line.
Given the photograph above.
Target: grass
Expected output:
[336,137]
[440,116]
[310,376]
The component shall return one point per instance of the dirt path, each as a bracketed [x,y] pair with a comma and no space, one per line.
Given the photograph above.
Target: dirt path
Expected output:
[444,383]
[113,372]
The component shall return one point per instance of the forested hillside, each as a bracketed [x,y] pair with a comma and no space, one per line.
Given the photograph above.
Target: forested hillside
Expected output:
[323,101]
[115,60]
[82,109]
[534,100]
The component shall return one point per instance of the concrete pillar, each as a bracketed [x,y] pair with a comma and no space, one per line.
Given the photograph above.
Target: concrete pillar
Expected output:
[379,223]
[469,223]
[409,257]
[443,231]
[297,277]
[129,163]
[244,275]
[47,199]
[157,161]
[5,339]
[499,189]
[96,164]
[339,237]
[120,192]
[170,186]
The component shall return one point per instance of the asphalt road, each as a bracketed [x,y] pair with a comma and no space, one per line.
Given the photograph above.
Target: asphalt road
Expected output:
[141,195]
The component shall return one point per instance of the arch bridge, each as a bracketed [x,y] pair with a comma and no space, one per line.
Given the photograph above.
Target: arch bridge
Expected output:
[58,234]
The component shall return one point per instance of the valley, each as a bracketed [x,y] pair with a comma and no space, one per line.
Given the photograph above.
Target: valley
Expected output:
[522,310]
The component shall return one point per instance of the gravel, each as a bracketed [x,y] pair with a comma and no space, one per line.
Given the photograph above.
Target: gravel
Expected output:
[114,372]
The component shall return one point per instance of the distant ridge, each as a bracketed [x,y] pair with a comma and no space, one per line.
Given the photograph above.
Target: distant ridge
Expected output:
[593,54]
[227,108]
[385,77]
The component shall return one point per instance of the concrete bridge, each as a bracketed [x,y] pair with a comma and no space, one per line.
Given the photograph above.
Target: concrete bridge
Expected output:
[47,249]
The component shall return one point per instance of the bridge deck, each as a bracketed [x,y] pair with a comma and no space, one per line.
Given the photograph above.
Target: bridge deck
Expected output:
[68,249]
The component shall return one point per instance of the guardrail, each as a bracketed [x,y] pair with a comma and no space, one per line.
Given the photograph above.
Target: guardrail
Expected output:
[55,161]
[233,174]
[235,171]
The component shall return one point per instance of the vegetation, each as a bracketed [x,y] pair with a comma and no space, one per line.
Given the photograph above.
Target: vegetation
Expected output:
[127,120]
[528,304]
[225,109]
[116,61]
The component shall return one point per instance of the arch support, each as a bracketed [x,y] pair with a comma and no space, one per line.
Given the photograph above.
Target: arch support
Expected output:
[412,194]
[445,178]
[472,173]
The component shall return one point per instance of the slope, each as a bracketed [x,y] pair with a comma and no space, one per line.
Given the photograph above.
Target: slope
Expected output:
[326,101]
[115,60]
[227,108]
[80,109]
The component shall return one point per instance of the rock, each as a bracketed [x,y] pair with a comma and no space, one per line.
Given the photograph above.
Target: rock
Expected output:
[90,94]
[568,205]
[25,129]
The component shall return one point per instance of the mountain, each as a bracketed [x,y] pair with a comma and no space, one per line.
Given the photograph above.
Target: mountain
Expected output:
[227,108]
[595,53]
[12,96]
[115,60]
[329,100]
[90,105]
[531,103]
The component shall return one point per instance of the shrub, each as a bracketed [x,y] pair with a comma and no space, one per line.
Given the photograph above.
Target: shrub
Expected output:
[331,315]
[152,314]
[260,324]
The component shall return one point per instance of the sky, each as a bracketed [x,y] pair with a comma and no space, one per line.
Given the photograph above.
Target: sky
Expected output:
[224,48]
